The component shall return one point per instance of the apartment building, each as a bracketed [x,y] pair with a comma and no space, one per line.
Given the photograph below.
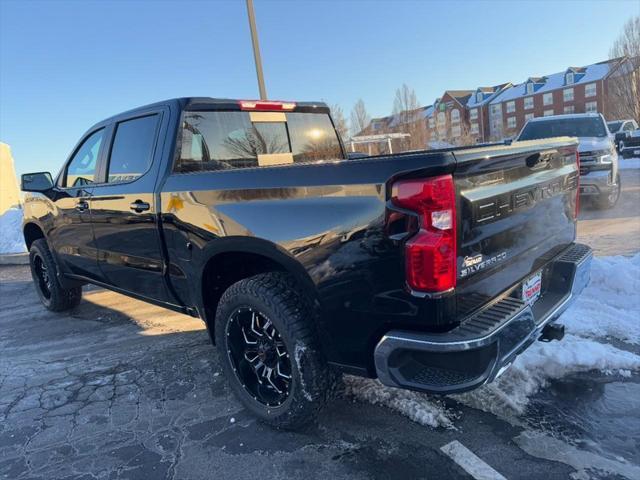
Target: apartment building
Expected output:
[449,121]
[479,112]
[574,90]
[492,113]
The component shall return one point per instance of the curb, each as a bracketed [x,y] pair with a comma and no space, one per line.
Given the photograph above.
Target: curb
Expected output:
[14,259]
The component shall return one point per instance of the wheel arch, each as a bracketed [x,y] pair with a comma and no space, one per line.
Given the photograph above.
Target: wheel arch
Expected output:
[229,260]
[32,232]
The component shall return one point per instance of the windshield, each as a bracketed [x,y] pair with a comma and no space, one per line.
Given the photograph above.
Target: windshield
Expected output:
[614,126]
[223,140]
[564,127]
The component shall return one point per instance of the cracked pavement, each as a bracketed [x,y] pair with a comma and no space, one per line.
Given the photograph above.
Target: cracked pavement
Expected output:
[119,389]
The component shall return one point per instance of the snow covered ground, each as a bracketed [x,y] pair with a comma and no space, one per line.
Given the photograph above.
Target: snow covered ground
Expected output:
[11,240]
[608,309]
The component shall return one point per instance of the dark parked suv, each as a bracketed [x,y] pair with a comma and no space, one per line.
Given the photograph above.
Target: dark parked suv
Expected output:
[429,270]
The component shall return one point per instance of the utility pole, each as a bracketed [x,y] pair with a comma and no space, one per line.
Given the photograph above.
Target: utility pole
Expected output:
[256,49]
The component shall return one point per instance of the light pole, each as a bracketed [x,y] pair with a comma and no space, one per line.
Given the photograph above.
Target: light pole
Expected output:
[256,49]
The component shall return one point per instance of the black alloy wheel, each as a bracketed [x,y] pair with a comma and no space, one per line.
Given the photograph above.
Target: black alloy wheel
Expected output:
[259,356]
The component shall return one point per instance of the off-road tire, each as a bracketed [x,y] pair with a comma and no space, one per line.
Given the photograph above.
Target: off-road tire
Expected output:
[277,296]
[55,297]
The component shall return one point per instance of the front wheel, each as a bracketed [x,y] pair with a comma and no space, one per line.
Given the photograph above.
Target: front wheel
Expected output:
[44,272]
[269,350]
[609,200]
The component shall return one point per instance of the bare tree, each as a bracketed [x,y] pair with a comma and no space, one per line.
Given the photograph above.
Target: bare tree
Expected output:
[409,119]
[340,122]
[360,118]
[624,83]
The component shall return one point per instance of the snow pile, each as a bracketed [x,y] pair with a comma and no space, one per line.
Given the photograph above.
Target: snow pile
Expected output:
[11,239]
[420,408]
[608,308]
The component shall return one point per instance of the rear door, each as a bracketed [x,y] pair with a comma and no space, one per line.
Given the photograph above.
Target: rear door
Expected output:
[517,209]
[124,209]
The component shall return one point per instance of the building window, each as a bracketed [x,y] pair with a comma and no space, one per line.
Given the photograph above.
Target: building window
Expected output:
[456,131]
[590,90]
[547,113]
[570,78]
[511,122]
[511,107]
[547,99]
[528,117]
[567,94]
[569,109]
[474,128]
[591,106]
[474,114]
[455,115]
[441,117]
[528,103]
[529,88]
[432,122]
[479,97]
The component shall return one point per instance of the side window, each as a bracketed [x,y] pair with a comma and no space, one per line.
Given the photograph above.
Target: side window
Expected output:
[628,127]
[81,170]
[132,149]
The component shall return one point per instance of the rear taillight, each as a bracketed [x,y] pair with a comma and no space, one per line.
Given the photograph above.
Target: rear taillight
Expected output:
[431,252]
[578,185]
[266,105]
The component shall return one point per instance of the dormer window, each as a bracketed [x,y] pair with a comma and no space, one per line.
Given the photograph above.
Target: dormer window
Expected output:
[479,97]
[570,78]
[529,88]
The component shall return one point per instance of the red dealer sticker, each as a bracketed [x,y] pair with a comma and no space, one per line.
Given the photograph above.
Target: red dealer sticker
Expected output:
[531,288]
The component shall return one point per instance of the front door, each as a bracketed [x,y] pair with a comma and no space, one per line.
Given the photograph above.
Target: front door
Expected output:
[71,235]
[124,210]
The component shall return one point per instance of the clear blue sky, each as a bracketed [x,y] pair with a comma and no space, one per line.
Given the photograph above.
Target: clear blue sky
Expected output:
[66,65]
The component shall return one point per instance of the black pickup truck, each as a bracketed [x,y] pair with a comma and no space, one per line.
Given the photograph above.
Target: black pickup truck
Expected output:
[429,270]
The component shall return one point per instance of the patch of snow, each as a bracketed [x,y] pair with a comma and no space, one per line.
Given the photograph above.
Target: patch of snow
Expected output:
[545,361]
[11,239]
[297,354]
[628,163]
[419,407]
[608,307]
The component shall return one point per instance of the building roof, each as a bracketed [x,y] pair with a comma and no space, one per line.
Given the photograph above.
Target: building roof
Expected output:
[588,74]
[460,95]
[488,93]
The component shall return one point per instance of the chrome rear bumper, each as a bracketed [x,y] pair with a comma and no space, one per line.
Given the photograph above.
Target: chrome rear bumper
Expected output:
[481,347]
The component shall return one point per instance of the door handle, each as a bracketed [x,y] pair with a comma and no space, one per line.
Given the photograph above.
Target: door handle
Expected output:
[82,205]
[139,206]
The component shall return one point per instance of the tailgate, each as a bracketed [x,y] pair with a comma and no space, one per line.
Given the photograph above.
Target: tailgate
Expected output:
[517,209]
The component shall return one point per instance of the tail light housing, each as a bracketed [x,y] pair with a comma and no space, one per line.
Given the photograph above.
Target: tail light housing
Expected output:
[431,256]
[578,185]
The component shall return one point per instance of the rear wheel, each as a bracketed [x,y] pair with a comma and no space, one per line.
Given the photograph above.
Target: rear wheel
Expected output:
[45,278]
[610,199]
[269,351]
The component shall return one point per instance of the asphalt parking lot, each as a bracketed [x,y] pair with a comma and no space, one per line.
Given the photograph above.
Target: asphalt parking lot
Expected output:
[118,389]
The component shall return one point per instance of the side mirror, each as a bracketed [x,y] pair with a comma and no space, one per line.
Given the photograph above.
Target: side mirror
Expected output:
[508,141]
[36,182]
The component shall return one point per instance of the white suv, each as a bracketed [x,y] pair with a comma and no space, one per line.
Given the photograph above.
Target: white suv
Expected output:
[599,177]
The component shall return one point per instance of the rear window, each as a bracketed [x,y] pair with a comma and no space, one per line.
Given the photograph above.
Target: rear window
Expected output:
[225,140]
[614,126]
[564,127]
